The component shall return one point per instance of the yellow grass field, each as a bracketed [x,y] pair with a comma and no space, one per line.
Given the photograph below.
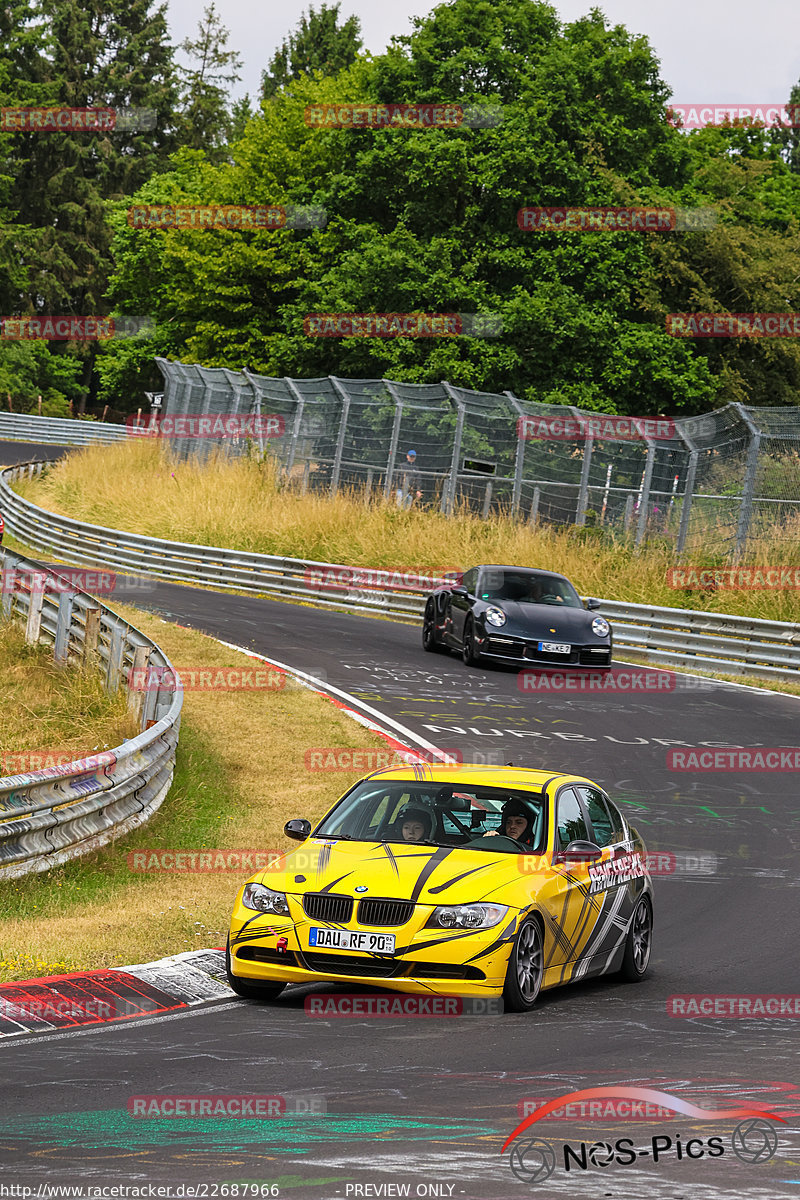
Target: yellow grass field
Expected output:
[239,503]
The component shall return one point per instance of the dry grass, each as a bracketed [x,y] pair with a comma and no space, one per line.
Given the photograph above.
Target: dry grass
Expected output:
[238,503]
[241,775]
[52,711]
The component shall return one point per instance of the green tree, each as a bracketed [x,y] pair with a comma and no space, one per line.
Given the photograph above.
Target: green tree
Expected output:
[319,43]
[206,123]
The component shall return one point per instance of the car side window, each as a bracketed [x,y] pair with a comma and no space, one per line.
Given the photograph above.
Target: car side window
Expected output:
[470,581]
[570,821]
[607,828]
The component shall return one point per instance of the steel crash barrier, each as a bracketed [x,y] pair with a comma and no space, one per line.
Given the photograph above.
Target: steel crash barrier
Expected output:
[51,815]
[57,431]
[701,641]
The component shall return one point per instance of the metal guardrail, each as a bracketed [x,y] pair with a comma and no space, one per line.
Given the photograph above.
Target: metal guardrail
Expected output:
[57,431]
[49,816]
[703,641]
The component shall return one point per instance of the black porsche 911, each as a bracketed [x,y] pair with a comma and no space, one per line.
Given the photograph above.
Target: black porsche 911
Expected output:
[516,615]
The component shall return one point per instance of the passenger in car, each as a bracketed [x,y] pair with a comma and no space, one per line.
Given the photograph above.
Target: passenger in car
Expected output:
[415,824]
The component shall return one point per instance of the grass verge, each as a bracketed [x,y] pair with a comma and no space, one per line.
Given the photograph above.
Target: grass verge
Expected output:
[240,776]
[240,504]
[48,712]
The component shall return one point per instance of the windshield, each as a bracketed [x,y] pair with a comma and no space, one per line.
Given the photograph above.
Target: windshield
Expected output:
[429,813]
[527,587]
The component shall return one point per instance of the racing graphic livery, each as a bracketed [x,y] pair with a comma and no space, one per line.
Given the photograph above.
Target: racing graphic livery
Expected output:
[516,615]
[450,880]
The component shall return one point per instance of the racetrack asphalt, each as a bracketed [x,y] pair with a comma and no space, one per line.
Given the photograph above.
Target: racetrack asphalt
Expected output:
[427,1104]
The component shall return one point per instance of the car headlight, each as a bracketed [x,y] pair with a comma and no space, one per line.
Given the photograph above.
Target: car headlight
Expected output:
[262,899]
[600,626]
[467,916]
[495,616]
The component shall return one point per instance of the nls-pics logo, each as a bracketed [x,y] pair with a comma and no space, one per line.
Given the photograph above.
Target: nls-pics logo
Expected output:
[533,1160]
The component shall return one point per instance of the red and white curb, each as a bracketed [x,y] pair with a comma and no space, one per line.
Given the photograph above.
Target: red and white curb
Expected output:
[115,994]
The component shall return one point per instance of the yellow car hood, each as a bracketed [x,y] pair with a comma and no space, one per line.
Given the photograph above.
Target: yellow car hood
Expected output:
[399,870]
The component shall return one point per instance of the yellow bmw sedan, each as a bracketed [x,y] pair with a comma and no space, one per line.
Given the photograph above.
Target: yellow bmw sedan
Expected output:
[452,880]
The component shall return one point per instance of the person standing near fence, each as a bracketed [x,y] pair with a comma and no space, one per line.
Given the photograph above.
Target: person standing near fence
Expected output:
[410,492]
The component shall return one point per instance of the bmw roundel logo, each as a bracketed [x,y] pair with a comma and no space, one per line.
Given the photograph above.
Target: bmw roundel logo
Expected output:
[361,888]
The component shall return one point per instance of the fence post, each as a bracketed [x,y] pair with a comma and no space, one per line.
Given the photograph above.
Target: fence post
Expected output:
[487,499]
[748,491]
[534,517]
[583,487]
[298,417]
[519,457]
[337,458]
[626,524]
[256,409]
[688,490]
[449,492]
[644,503]
[395,439]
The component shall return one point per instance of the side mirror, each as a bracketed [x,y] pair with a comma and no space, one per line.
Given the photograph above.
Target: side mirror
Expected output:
[298,829]
[592,604]
[459,590]
[580,851]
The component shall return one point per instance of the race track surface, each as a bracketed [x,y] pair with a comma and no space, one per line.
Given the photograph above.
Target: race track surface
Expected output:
[427,1104]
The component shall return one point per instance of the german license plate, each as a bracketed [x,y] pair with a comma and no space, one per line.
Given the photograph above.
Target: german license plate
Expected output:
[346,939]
[555,647]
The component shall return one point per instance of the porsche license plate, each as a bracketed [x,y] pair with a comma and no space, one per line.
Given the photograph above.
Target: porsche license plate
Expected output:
[555,647]
[346,939]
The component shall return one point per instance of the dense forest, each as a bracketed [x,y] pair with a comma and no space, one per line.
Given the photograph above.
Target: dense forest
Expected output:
[417,219]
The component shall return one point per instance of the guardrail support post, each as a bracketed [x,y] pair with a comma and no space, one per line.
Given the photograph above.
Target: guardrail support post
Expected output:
[34,623]
[91,633]
[116,654]
[139,673]
[63,623]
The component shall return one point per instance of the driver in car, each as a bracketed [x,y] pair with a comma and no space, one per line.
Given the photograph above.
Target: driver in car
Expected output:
[516,821]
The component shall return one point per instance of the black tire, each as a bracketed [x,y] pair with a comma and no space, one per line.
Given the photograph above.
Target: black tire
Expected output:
[430,639]
[470,656]
[525,968]
[247,990]
[639,942]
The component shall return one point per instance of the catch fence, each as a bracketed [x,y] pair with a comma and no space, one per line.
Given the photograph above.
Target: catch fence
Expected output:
[720,480]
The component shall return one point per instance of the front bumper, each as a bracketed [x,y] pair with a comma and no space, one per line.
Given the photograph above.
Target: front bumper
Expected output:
[440,962]
[524,652]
